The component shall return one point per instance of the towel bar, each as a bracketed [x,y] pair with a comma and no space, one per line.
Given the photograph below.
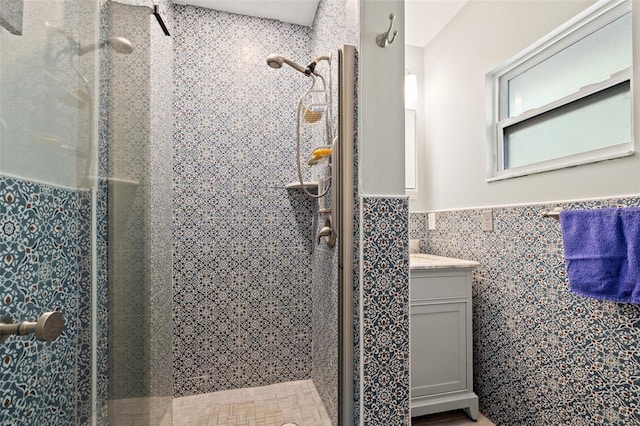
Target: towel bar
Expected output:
[554,214]
[48,328]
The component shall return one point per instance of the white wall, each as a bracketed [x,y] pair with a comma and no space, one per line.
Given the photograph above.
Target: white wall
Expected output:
[481,36]
[414,63]
[381,115]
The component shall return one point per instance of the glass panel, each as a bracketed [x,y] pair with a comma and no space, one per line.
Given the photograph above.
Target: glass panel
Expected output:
[590,60]
[47,101]
[48,93]
[597,121]
[139,210]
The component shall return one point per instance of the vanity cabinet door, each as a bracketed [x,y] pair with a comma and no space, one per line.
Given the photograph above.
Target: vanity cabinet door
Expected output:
[441,337]
[438,348]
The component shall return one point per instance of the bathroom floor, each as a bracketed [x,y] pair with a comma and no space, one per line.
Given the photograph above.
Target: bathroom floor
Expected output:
[450,418]
[292,402]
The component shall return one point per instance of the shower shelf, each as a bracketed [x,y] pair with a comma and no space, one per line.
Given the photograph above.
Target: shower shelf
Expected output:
[310,186]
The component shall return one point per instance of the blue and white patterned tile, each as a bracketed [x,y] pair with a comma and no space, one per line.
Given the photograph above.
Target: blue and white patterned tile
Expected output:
[83,250]
[101,300]
[39,236]
[234,152]
[136,140]
[541,354]
[385,311]
[417,225]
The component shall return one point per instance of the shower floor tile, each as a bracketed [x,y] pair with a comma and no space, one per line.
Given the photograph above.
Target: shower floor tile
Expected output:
[297,402]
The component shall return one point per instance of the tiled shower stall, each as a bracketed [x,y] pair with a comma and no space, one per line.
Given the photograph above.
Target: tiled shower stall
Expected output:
[255,297]
[201,266]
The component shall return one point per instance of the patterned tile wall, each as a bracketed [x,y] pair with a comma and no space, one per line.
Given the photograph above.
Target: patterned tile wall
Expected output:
[541,354]
[41,230]
[328,34]
[102,320]
[160,206]
[83,350]
[102,291]
[418,228]
[243,243]
[324,371]
[385,311]
[128,170]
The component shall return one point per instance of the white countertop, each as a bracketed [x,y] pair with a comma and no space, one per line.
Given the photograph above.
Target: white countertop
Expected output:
[430,261]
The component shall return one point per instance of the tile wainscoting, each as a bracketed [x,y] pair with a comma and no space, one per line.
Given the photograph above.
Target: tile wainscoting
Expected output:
[542,355]
[384,311]
[44,241]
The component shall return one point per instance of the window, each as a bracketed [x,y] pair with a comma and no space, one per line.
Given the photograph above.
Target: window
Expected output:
[567,100]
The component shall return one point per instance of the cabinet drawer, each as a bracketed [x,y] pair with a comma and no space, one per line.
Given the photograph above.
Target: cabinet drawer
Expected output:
[437,286]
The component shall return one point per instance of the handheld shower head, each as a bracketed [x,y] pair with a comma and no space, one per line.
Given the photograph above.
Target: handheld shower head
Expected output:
[119,44]
[276,61]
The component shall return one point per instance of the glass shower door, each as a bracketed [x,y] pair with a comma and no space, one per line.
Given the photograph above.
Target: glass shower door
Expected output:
[48,133]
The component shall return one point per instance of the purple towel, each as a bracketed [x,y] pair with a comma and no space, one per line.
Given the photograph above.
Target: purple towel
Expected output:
[602,251]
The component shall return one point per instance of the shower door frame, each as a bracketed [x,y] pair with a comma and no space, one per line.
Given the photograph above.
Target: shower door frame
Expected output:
[344,163]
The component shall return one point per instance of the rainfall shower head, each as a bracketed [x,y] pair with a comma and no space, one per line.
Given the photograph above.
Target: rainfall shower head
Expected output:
[276,61]
[119,44]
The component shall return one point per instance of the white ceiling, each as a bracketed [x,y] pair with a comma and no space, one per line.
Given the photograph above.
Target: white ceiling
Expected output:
[423,18]
[299,12]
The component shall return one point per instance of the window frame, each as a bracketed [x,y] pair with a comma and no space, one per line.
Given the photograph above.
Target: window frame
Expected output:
[581,26]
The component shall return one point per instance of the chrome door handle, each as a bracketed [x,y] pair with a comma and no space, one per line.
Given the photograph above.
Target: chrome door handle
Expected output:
[48,327]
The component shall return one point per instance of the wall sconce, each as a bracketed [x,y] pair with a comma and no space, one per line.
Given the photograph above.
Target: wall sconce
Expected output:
[410,89]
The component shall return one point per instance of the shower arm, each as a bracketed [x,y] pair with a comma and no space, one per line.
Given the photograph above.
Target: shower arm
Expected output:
[322,58]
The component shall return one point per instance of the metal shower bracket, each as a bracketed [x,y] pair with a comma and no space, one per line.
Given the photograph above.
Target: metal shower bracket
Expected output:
[158,14]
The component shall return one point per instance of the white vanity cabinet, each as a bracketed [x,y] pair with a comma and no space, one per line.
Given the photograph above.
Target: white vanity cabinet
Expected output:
[441,335]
